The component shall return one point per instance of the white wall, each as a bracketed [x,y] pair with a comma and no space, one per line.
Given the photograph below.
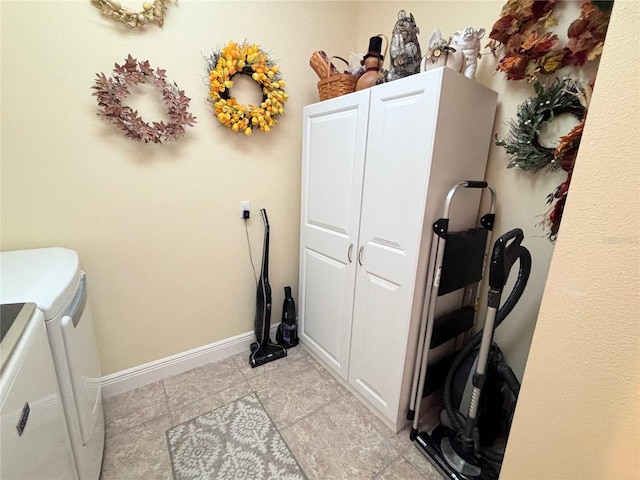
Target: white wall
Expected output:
[157,227]
[578,414]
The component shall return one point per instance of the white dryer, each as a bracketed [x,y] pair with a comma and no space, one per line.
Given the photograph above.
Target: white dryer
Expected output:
[34,441]
[52,279]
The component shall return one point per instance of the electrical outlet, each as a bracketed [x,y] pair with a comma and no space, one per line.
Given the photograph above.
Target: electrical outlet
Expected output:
[245,206]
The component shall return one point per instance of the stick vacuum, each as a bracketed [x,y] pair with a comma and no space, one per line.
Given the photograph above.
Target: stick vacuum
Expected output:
[263,350]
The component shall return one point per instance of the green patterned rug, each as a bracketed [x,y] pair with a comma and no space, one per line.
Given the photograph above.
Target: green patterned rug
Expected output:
[237,441]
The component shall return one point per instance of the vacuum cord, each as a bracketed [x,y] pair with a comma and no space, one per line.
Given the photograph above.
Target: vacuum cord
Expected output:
[523,276]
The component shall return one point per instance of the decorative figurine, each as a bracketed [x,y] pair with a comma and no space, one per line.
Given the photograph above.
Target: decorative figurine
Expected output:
[405,48]
[468,40]
[372,62]
[440,54]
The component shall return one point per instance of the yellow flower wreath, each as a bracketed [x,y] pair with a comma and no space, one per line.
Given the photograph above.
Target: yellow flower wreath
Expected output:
[248,60]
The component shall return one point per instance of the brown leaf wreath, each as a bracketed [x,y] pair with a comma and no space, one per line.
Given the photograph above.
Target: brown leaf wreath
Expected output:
[113,90]
[520,33]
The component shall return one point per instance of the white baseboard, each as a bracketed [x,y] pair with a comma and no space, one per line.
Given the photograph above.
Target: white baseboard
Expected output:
[135,377]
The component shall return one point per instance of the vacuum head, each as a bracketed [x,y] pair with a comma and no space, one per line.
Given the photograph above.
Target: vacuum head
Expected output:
[431,446]
[261,354]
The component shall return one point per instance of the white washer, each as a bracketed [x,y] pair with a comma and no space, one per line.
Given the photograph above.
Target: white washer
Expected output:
[52,279]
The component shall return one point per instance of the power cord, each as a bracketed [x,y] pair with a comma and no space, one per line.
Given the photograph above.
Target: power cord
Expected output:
[255,275]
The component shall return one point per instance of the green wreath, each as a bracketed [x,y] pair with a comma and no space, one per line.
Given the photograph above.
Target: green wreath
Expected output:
[562,96]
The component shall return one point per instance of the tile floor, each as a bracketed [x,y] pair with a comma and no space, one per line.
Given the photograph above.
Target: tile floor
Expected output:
[330,433]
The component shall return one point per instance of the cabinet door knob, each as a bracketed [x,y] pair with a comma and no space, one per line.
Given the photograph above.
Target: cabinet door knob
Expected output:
[360,255]
[349,252]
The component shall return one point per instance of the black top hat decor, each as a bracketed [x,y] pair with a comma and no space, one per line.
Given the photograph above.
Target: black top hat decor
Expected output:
[375,47]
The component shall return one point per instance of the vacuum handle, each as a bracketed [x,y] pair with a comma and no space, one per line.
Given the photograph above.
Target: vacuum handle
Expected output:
[475,184]
[503,257]
[265,219]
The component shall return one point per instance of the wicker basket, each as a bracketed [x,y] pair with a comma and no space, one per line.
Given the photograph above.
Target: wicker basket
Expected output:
[335,84]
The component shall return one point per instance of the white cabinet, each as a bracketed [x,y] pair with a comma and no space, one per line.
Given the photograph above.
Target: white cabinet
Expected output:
[377,165]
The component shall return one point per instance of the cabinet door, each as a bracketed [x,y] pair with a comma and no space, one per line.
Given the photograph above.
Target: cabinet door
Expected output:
[333,150]
[400,140]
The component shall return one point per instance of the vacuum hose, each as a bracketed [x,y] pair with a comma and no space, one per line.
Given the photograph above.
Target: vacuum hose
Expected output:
[511,254]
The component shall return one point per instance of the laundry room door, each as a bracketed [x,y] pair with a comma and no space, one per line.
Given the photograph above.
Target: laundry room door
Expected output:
[333,150]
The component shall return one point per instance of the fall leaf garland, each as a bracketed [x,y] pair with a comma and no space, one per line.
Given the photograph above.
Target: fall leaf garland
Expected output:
[567,150]
[111,92]
[245,59]
[529,50]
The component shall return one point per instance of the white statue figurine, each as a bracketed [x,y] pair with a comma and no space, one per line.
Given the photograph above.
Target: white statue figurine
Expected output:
[468,40]
[440,54]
